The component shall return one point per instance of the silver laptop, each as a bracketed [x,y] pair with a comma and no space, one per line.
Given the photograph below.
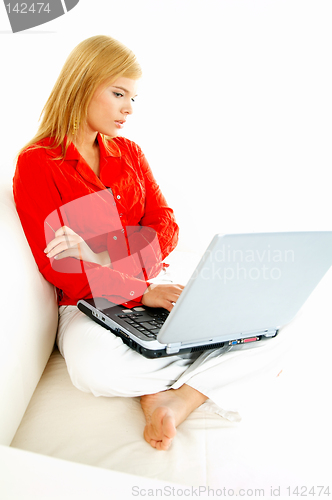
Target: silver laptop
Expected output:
[244,289]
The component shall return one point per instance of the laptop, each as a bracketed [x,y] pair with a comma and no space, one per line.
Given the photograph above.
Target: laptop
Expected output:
[244,289]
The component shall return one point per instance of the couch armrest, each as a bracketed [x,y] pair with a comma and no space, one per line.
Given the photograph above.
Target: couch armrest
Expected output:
[35,477]
[28,320]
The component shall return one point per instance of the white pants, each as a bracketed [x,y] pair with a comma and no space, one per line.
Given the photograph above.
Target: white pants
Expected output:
[100,363]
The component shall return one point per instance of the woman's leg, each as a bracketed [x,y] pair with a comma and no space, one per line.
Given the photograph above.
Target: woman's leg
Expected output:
[237,380]
[99,362]
[232,381]
[170,388]
[166,410]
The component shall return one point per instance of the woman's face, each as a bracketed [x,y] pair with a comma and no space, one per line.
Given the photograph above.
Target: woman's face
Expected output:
[110,106]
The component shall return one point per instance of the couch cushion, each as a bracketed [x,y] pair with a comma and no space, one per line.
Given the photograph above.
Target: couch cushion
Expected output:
[63,422]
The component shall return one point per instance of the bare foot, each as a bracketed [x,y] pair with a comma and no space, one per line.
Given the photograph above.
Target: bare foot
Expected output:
[164,411]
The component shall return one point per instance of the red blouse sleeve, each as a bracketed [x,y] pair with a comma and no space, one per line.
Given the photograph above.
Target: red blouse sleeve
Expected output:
[158,216]
[36,196]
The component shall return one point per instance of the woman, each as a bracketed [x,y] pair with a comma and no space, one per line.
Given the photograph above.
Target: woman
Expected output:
[88,204]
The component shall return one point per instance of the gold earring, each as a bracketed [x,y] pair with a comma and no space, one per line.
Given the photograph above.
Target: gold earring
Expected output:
[75,126]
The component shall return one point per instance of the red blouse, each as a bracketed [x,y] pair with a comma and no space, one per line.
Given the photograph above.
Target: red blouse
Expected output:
[123,211]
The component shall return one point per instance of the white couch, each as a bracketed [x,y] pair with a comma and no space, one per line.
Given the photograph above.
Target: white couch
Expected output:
[57,442]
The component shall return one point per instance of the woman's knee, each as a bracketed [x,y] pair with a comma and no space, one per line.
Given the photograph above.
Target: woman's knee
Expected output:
[95,357]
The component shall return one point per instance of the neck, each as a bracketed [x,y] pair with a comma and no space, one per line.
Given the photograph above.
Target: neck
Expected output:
[85,142]
[89,150]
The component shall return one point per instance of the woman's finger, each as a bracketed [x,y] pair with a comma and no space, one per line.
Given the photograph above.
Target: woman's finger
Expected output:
[57,241]
[60,244]
[70,252]
[162,295]
[64,233]
[171,297]
[170,288]
[165,304]
[64,230]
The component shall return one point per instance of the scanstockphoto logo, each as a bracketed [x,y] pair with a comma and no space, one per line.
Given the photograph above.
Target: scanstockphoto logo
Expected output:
[25,15]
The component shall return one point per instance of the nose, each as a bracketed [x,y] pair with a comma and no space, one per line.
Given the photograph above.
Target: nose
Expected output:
[128,108]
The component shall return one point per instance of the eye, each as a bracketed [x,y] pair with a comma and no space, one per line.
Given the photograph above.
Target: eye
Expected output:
[133,100]
[118,94]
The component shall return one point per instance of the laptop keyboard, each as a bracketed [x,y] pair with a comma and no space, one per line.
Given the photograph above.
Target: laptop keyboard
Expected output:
[147,322]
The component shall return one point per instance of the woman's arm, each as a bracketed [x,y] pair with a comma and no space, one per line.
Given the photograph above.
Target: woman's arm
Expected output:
[36,196]
[67,243]
[156,234]
[158,215]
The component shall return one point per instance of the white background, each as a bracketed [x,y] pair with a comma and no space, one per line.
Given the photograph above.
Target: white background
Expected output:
[234,110]
[234,115]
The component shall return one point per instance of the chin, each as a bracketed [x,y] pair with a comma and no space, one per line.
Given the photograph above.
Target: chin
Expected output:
[113,134]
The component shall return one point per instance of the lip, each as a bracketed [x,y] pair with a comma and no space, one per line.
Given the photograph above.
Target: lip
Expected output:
[120,123]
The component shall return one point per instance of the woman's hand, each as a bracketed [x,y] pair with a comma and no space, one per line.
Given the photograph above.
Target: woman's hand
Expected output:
[67,243]
[162,295]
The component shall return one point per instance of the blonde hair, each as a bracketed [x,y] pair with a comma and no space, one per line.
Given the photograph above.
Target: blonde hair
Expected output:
[92,62]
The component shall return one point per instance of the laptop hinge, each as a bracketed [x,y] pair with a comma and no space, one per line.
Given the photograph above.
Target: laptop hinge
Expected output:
[173,348]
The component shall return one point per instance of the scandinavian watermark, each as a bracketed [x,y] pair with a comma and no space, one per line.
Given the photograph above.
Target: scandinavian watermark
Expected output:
[227,264]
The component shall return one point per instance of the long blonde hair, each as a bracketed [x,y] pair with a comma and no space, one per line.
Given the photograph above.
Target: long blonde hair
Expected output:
[91,63]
